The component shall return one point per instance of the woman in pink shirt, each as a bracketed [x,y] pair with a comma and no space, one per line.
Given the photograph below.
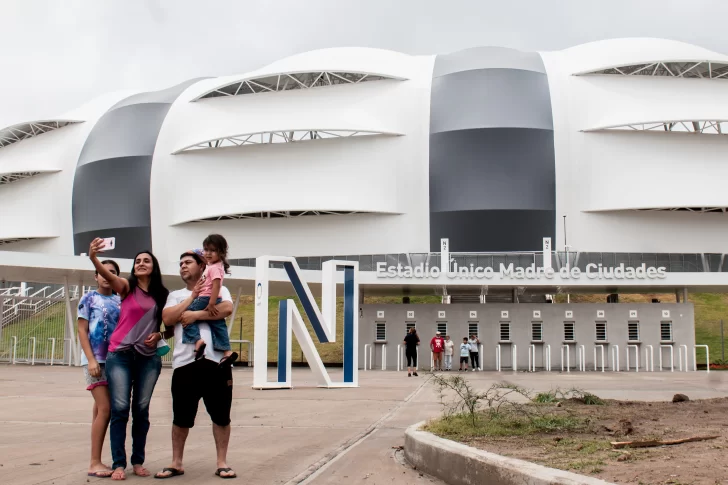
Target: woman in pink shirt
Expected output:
[132,361]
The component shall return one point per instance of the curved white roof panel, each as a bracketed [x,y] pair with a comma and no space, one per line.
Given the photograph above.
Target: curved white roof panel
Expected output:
[608,54]
[23,131]
[280,136]
[686,69]
[356,61]
[701,210]
[10,177]
[708,127]
[292,80]
[282,214]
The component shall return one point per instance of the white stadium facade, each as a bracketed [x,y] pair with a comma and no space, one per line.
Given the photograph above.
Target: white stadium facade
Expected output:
[614,150]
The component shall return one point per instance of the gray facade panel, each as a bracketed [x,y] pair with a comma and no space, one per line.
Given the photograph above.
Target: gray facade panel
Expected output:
[129,241]
[492,230]
[165,96]
[487,58]
[125,132]
[493,169]
[520,318]
[489,98]
[111,187]
[111,193]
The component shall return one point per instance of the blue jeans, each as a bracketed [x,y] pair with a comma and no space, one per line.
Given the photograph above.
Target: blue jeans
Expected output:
[191,333]
[132,378]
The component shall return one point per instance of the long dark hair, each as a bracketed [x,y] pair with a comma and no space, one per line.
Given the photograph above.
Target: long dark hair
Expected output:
[219,244]
[156,288]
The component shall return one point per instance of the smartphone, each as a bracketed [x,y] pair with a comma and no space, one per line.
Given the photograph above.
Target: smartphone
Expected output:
[109,244]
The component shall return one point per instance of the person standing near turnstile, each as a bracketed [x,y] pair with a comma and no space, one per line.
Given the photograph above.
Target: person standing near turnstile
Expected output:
[474,344]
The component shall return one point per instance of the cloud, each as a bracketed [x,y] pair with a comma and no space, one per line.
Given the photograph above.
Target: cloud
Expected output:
[58,55]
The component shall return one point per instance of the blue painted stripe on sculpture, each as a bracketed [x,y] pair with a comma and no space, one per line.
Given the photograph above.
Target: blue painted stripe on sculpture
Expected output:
[282,340]
[349,324]
[307,305]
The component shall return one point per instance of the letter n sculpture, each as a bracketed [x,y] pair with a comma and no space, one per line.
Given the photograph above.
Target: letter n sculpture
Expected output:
[290,321]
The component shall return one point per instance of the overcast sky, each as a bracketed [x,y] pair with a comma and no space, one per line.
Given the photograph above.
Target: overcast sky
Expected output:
[57,54]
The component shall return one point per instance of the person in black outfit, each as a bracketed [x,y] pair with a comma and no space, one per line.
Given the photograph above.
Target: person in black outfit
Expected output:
[411,341]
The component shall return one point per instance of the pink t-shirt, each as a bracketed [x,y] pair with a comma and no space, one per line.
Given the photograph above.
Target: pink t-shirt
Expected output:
[215,271]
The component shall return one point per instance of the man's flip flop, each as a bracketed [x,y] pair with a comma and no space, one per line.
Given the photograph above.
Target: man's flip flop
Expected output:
[223,470]
[173,473]
[201,351]
[101,474]
[228,361]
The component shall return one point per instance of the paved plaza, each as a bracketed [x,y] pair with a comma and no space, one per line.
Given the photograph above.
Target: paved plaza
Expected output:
[305,435]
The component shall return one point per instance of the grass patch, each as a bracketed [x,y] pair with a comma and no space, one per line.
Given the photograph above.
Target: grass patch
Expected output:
[460,426]
[591,466]
[545,397]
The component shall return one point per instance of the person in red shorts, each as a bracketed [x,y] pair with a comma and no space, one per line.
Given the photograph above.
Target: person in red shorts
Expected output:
[437,344]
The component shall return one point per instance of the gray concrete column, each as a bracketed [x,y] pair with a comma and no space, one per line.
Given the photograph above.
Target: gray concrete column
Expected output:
[685,295]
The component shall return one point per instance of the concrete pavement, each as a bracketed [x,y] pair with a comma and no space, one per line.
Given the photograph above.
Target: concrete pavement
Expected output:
[305,435]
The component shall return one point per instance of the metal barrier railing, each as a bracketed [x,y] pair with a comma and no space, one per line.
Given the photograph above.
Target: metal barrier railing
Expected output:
[31,328]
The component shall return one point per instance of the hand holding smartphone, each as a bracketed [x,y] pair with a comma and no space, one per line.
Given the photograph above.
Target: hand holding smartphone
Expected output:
[109,243]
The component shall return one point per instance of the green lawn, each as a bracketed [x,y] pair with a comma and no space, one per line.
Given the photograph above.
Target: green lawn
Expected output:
[710,308]
[48,323]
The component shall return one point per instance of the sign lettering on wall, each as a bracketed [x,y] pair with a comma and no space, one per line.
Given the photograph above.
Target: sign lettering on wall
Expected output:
[450,269]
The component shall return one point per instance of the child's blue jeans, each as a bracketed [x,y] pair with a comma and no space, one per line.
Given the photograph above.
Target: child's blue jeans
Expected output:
[191,333]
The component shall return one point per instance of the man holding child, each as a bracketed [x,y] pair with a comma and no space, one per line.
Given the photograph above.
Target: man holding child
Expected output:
[192,379]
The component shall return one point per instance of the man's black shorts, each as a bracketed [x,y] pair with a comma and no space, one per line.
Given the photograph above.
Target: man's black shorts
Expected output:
[463,359]
[204,380]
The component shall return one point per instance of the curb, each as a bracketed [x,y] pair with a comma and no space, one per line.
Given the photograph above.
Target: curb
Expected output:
[459,464]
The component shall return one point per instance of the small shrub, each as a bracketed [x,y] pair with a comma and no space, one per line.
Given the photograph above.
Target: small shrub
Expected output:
[545,397]
[586,397]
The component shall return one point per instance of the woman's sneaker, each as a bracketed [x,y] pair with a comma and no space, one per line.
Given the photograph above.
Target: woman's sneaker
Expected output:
[415,374]
[409,375]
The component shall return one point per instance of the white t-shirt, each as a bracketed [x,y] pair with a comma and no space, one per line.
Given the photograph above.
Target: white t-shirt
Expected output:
[473,345]
[449,344]
[185,353]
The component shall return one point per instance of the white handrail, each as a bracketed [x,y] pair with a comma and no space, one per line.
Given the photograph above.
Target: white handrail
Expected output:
[514,357]
[547,357]
[568,363]
[53,350]
[32,360]
[581,353]
[251,349]
[695,357]
[650,364]
[636,357]
[498,358]
[601,347]
[532,358]
[15,349]
[367,352]
[680,357]
[615,361]
[481,356]
[70,350]
[384,356]
[672,357]
[399,357]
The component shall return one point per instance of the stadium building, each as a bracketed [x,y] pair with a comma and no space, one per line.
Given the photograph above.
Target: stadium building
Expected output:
[598,168]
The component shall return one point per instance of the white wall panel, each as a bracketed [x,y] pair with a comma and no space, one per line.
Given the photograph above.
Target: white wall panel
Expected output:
[40,206]
[601,171]
[382,174]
